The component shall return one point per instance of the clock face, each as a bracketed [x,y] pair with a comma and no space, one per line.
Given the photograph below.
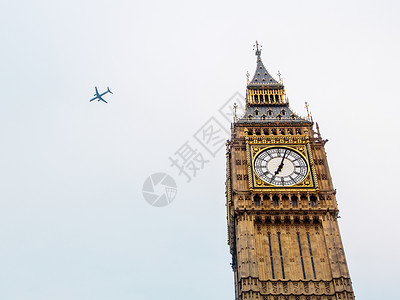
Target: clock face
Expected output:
[280,166]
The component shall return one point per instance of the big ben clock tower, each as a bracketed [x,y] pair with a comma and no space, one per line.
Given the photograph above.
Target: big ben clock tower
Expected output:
[281,205]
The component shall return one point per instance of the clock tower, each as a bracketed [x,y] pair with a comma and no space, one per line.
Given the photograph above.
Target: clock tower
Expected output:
[281,205]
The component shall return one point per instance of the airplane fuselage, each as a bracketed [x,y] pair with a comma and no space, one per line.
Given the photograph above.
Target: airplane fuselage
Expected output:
[99,96]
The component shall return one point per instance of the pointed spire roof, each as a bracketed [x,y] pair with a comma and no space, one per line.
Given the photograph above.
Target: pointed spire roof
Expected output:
[266,100]
[261,76]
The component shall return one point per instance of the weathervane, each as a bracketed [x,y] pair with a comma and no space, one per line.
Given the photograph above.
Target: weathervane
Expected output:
[257,47]
[309,116]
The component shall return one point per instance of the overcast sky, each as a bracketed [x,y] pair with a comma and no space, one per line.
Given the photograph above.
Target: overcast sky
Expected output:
[73,220]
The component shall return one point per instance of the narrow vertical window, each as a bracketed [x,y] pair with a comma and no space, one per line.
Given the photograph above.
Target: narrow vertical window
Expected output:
[275,200]
[301,255]
[312,260]
[280,253]
[270,254]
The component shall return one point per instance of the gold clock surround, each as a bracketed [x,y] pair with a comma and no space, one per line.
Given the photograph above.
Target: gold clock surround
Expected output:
[309,183]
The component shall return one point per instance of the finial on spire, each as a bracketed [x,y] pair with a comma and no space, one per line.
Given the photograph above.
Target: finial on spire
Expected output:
[257,47]
[248,76]
[318,133]
[279,75]
[235,107]
[309,116]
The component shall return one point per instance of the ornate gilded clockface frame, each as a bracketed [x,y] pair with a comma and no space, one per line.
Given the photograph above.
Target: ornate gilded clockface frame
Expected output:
[280,166]
[258,180]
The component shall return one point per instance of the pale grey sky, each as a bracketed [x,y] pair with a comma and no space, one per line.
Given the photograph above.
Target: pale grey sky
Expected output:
[73,221]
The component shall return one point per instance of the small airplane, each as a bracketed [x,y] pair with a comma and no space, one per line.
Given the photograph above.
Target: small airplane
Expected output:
[99,96]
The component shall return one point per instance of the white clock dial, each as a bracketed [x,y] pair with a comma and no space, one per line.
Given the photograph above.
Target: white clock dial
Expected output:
[280,166]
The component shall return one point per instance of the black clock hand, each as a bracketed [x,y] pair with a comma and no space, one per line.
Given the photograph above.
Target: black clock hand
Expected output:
[281,165]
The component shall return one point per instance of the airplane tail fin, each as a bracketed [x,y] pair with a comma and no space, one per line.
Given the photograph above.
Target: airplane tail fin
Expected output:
[108,89]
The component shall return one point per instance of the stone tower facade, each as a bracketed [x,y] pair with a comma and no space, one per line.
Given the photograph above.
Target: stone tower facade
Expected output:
[281,205]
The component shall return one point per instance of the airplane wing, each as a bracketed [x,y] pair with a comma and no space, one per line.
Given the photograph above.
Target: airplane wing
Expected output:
[99,96]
